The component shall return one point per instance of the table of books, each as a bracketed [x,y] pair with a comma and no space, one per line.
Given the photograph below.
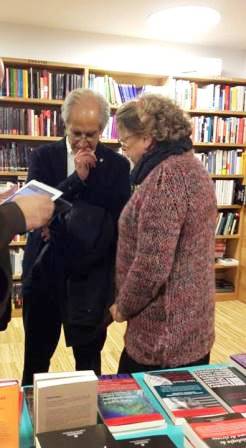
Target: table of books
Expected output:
[174,432]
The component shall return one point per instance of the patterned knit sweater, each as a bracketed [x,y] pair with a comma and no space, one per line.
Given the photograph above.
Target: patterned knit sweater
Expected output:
[165,264]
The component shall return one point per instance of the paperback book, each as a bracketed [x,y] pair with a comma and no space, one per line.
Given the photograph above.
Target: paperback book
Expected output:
[124,407]
[216,432]
[239,361]
[162,441]
[98,436]
[94,436]
[182,395]
[227,384]
[63,401]
[9,413]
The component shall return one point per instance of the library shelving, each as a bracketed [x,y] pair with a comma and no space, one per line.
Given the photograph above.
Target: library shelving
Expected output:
[33,93]
[217,107]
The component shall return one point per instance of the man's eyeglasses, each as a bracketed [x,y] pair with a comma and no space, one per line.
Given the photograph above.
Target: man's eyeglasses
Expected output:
[88,136]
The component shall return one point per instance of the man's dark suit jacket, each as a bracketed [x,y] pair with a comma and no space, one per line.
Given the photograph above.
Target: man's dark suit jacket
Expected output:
[12,221]
[86,251]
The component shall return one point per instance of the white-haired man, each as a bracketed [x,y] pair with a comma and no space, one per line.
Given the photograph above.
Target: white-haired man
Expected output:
[69,280]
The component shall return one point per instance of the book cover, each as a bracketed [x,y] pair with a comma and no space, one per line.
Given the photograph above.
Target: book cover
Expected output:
[65,402]
[123,405]
[94,436]
[239,361]
[162,441]
[227,384]
[217,431]
[182,395]
[9,413]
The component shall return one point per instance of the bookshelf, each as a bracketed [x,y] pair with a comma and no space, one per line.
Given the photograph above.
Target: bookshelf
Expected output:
[46,83]
[218,112]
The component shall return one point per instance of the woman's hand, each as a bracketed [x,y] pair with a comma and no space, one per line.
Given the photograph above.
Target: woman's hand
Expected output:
[116,314]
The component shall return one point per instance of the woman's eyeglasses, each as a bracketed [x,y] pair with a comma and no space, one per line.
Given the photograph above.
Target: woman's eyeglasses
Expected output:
[124,141]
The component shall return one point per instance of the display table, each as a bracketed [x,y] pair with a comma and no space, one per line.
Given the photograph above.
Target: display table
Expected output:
[174,432]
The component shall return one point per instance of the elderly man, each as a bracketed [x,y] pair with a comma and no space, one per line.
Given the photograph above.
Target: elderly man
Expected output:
[70,278]
[18,216]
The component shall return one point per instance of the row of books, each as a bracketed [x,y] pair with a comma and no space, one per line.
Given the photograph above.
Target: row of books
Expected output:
[46,122]
[229,192]
[16,259]
[215,129]
[14,156]
[16,296]
[37,83]
[222,162]
[27,121]
[110,131]
[62,405]
[221,97]
[220,248]
[46,84]
[223,285]
[227,223]
[186,396]
[115,93]
[5,185]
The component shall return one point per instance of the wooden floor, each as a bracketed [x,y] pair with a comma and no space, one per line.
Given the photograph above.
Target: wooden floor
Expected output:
[230,338]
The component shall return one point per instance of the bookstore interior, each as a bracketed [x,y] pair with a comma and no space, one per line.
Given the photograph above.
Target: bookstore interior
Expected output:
[203,70]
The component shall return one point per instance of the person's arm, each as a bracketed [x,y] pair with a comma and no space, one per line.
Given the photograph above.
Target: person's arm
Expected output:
[72,186]
[159,228]
[12,221]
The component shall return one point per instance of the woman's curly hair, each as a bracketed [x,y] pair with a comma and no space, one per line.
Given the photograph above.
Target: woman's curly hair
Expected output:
[155,115]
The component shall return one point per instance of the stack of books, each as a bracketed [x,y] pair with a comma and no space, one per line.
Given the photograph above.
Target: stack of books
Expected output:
[124,407]
[64,400]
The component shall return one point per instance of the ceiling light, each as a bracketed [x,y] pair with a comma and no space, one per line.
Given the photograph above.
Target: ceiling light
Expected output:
[183,23]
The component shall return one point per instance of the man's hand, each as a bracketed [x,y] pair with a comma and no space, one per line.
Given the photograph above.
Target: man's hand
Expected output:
[116,314]
[5,194]
[84,161]
[37,209]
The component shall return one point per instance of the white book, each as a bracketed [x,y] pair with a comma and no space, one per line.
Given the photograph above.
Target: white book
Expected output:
[64,400]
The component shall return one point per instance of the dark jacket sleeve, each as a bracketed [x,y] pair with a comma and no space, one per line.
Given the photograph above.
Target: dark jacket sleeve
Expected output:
[5,286]
[12,221]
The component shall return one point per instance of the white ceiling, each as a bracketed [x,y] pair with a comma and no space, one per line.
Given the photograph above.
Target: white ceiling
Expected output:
[124,17]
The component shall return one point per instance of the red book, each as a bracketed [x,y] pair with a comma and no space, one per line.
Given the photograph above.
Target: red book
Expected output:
[124,406]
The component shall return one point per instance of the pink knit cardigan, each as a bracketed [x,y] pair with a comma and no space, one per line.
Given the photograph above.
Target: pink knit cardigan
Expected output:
[165,264]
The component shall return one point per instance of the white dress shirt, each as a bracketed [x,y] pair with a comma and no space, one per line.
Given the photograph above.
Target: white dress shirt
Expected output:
[70,158]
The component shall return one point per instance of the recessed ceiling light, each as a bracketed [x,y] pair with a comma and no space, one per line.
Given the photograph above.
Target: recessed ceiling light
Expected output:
[183,23]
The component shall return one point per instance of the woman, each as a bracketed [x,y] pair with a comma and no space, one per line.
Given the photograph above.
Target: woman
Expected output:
[165,257]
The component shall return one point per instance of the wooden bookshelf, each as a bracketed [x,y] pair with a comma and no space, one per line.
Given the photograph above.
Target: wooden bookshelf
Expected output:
[37,101]
[17,243]
[210,101]
[16,312]
[16,277]
[226,113]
